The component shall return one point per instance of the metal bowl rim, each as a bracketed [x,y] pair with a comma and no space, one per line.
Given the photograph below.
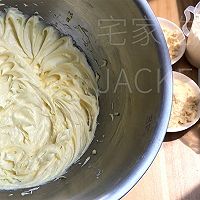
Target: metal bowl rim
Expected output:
[150,154]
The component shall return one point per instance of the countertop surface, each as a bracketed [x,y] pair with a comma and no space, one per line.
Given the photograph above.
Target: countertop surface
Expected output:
[175,173]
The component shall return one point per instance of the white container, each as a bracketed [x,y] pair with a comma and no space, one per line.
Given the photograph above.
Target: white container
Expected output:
[193,42]
[181,37]
[195,87]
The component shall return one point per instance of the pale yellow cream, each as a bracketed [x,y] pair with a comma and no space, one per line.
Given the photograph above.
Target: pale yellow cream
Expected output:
[48,102]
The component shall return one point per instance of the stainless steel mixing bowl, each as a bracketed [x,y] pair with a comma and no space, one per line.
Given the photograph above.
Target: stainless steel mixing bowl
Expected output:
[124,45]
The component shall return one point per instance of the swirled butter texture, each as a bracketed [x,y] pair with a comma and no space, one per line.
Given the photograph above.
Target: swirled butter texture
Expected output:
[48,102]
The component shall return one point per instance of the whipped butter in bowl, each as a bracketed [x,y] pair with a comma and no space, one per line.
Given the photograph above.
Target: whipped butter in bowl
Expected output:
[186,103]
[48,102]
